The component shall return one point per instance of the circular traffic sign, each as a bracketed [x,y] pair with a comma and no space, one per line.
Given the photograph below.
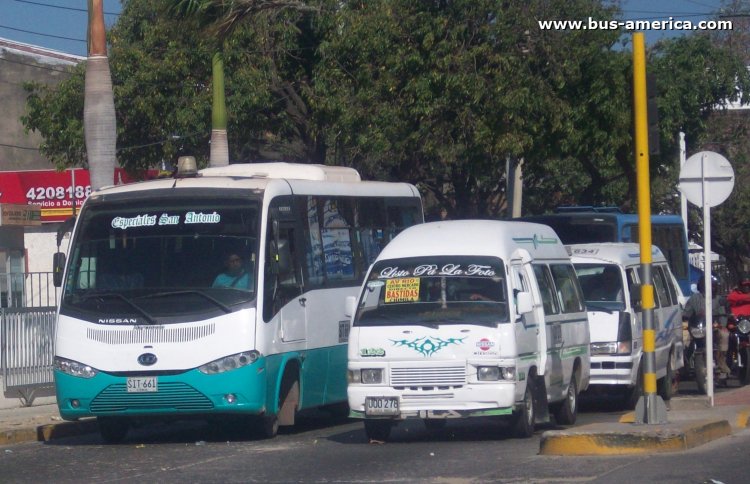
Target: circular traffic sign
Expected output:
[710,168]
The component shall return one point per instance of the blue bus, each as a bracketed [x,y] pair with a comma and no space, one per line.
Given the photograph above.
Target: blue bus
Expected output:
[579,225]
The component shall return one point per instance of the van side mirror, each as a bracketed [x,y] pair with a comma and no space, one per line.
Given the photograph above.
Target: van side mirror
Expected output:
[524,304]
[635,296]
[58,268]
[350,306]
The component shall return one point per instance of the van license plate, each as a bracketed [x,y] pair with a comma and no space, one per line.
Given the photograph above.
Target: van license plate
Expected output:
[381,406]
[142,384]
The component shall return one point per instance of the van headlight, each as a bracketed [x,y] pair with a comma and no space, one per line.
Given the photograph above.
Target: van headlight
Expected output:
[367,376]
[229,363]
[74,368]
[495,373]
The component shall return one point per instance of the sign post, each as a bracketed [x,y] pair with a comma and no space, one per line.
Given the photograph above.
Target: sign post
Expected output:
[707,180]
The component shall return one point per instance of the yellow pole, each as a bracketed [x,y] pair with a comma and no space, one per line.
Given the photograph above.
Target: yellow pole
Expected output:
[648,365]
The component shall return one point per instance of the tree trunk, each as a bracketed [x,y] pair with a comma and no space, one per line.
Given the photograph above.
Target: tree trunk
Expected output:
[99,123]
[219,143]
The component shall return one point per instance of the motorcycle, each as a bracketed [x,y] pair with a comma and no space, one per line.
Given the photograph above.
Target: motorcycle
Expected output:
[695,353]
[738,356]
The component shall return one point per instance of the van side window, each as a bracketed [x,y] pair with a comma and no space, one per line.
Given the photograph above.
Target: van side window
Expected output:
[546,288]
[568,289]
[669,284]
[660,284]
[632,278]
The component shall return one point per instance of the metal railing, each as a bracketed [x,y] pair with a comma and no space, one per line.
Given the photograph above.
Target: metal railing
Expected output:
[28,290]
[27,334]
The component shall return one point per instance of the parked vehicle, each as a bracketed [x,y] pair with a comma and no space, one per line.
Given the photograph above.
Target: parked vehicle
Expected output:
[695,353]
[466,319]
[611,281]
[738,356]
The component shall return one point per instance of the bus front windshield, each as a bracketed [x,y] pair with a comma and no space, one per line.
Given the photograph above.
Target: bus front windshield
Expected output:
[165,257]
[433,291]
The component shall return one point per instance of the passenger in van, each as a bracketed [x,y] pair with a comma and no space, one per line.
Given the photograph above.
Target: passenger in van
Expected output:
[235,274]
[608,286]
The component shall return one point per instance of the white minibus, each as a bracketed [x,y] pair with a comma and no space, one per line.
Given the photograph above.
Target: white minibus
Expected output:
[468,318]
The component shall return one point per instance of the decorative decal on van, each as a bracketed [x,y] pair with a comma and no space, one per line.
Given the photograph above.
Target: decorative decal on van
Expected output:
[481,270]
[537,240]
[367,352]
[403,289]
[427,346]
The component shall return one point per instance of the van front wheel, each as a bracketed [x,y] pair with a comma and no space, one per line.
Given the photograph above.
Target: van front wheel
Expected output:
[524,419]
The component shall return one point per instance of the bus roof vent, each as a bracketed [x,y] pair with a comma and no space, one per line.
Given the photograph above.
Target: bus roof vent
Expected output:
[295,171]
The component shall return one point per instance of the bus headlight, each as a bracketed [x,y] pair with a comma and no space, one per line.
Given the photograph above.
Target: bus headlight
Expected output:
[368,376]
[74,368]
[229,363]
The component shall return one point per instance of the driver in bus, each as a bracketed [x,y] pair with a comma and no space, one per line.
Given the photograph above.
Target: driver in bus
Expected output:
[235,274]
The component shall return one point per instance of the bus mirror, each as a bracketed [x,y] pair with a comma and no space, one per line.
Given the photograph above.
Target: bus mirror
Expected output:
[66,227]
[350,306]
[635,296]
[58,268]
[524,303]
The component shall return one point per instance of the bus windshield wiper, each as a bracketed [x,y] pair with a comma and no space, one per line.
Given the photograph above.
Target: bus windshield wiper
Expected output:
[149,319]
[213,300]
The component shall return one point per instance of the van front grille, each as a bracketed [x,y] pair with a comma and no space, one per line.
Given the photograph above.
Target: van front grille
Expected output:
[452,376]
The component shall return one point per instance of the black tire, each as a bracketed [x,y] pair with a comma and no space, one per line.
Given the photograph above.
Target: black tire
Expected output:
[434,424]
[567,412]
[269,426]
[113,430]
[523,426]
[744,374]
[378,430]
[701,376]
[633,394]
[668,384]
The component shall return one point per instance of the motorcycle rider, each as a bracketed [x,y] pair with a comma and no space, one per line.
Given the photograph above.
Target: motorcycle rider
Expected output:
[739,299]
[695,308]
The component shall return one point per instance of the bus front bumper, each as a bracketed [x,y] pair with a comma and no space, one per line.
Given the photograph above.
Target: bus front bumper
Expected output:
[242,390]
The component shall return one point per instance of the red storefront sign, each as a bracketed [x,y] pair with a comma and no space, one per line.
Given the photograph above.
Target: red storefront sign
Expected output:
[53,191]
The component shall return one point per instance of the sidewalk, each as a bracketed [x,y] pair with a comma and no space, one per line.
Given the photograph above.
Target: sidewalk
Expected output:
[691,422]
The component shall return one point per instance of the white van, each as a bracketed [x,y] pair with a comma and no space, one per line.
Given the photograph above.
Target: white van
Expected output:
[610,277]
[468,318]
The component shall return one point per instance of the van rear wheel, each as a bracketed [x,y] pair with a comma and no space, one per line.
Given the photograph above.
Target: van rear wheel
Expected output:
[567,412]
[668,384]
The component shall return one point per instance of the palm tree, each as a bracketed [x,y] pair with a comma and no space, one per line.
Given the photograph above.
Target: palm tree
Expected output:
[100,128]
[219,18]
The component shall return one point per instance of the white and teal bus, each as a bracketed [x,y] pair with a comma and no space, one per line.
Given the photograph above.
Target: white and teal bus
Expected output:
[142,331]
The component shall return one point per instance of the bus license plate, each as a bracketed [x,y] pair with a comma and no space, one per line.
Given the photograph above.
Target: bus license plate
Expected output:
[142,384]
[381,406]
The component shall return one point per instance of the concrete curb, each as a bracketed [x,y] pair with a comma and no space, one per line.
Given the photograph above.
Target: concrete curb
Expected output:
[48,432]
[613,439]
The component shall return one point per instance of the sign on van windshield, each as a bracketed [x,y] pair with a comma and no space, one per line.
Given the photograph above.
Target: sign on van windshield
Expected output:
[435,290]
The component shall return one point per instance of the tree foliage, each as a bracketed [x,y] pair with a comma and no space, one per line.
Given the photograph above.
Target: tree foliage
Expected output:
[439,93]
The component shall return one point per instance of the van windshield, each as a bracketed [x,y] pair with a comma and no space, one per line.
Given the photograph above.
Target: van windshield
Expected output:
[602,286]
[433,291]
